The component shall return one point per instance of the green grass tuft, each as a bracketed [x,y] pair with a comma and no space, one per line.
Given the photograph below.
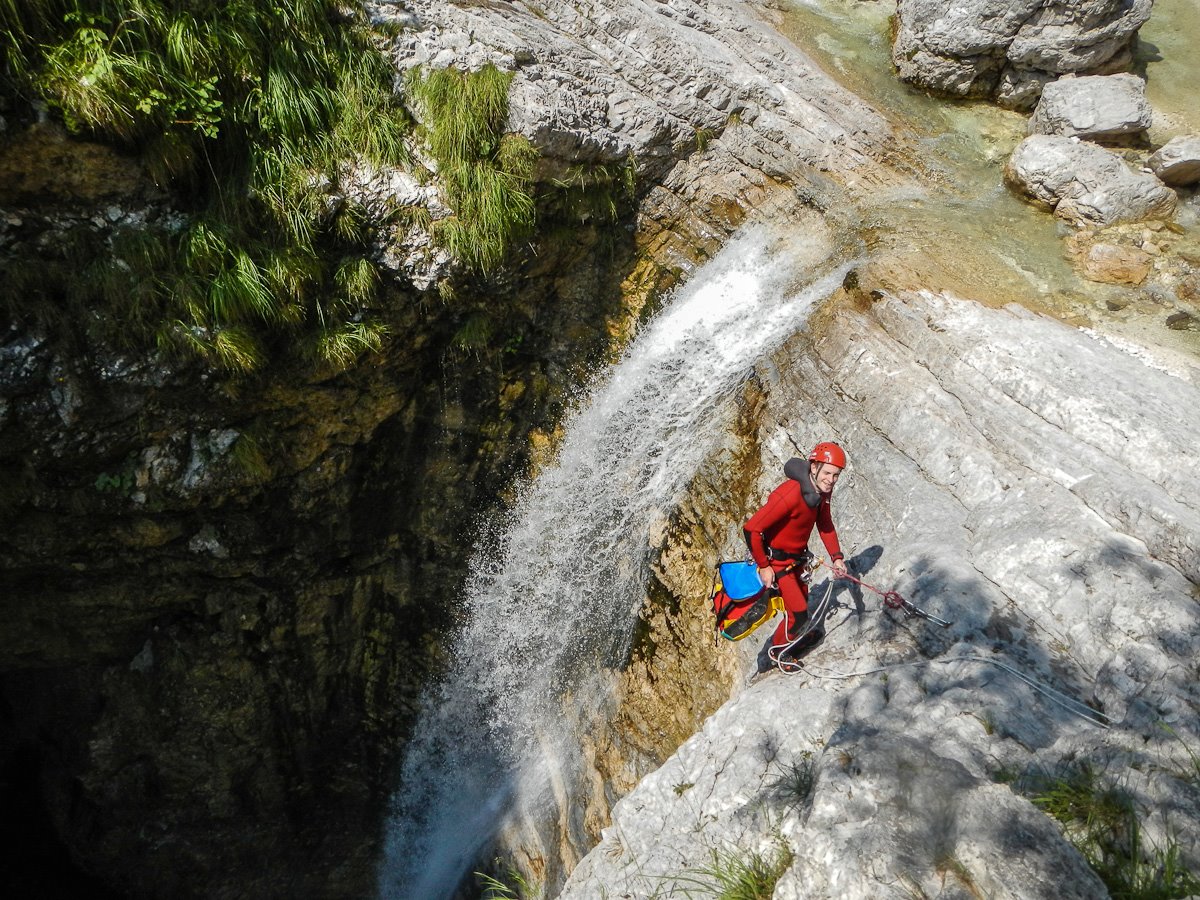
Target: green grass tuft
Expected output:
[249,114]
[485,172]
[1103,824]
[733,875]
[515,887]
[794,782]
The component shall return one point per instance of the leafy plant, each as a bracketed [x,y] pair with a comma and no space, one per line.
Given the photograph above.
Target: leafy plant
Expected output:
[486,172]
[495,889]
[733,876]
[120,483]
[1104,826]
[795,781]
[249,112]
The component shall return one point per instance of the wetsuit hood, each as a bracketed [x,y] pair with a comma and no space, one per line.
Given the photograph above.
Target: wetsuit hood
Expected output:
[797,469]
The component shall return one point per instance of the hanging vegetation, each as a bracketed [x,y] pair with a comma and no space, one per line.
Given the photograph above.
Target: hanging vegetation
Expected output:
[247,111]
[486,173]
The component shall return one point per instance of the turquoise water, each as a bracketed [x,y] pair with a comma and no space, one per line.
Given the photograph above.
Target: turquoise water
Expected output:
[1004,250]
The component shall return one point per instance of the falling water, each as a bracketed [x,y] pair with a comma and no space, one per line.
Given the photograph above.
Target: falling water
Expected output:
[557,585]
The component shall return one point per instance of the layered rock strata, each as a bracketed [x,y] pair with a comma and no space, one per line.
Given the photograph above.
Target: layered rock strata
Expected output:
[222,597]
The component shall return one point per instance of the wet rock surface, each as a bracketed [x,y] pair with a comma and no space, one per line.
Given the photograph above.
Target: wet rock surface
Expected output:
[222,597]
[1114,264]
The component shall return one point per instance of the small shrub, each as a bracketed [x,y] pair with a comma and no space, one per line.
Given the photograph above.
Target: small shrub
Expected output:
[486,173]
[515,887]
[734,876]
[1103,824]
[248,115]
[794,783]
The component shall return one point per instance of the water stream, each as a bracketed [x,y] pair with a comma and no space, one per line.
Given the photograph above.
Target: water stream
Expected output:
[557,583]
[1004,250]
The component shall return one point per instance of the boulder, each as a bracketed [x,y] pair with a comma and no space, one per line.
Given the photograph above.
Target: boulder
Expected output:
[1104,108]
[1177,162]
[1084,183]
[1114,264]
[1007,50]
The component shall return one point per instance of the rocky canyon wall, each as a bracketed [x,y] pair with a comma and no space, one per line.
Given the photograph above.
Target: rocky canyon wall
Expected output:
[1026,481]
[221,596]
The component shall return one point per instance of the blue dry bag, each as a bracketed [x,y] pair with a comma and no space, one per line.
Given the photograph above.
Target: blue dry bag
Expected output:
[740,602]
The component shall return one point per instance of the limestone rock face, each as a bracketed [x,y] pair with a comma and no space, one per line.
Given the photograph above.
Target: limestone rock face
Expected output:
[217,615]
[1102,108]
[1177,162]
[1029,483]
[1084,183]
[600,83]
[702,99]
[1008,50]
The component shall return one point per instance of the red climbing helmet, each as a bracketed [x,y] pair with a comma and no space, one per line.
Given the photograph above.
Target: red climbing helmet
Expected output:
[828,452]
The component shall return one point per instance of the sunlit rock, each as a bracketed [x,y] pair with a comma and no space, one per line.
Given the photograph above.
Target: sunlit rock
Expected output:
[1026,481]
[1008,50]
[1177,162]
[1114,264]
[1102,108]
[1084,183]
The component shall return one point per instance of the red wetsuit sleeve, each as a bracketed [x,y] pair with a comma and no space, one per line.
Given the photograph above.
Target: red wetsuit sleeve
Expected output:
[828,533]
[774,511]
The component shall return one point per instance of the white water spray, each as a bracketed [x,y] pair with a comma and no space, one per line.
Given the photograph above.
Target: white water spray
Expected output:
[556,587]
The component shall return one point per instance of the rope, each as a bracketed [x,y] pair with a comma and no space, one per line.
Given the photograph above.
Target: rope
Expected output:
[1070,704]
[815,618]
[893,600]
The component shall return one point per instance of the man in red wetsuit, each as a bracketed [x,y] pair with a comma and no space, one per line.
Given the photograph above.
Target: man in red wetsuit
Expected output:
[778,533]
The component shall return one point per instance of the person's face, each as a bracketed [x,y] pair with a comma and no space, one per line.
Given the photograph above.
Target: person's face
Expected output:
[825,476]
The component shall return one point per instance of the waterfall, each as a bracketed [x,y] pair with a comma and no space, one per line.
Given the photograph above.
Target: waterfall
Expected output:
[557,583]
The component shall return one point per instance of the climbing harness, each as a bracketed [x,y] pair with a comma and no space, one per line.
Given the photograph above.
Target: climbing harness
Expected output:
[891,600]
[741,602]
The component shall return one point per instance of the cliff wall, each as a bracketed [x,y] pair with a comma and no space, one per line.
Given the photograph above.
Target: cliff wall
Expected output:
[222,595]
